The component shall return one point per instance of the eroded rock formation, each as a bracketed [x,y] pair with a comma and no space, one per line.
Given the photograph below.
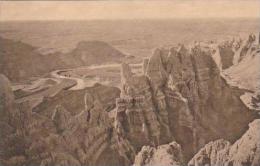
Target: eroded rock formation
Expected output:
[184,96]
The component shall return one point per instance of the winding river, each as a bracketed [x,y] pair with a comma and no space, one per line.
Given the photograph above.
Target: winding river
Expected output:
[84,82]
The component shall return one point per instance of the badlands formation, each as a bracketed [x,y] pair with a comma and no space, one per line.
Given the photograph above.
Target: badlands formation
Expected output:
[180,111]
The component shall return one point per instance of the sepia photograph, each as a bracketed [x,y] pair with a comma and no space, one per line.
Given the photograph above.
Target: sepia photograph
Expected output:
[130,83]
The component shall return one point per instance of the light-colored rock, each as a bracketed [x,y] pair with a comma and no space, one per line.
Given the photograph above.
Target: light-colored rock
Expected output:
[244,152]
[163,155]
[209,155]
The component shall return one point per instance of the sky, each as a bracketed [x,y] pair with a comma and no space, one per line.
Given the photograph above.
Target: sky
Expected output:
[127,9]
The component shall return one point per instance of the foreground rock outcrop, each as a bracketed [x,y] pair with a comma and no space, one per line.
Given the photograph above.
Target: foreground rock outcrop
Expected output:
[163,155]
[244,152]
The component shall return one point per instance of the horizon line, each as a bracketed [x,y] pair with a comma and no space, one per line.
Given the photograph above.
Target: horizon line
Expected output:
[117,19]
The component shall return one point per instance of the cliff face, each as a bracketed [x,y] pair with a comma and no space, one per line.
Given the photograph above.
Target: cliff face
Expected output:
[245,151]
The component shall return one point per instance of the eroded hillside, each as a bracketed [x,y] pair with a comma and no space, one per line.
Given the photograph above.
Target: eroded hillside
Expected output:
[20,61]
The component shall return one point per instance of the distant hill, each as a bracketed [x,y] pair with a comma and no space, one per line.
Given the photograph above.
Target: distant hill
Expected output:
[95,52]
[19,60]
